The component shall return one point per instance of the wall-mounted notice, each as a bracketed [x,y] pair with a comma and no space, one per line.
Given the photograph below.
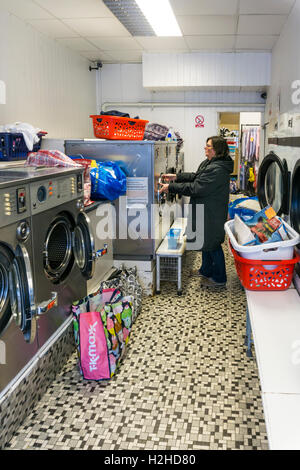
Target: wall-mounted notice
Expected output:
[199,121]
[137,192]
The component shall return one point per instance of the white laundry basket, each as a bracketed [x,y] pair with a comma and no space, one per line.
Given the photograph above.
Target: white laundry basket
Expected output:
[267,251]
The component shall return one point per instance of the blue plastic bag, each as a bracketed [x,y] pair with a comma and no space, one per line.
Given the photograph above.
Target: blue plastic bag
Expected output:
[242,212]
[108,181]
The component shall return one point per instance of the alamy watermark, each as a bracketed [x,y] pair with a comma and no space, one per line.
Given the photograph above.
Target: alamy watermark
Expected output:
[296,94]
[2,92]
[2,353]
[296,352]
[144,222]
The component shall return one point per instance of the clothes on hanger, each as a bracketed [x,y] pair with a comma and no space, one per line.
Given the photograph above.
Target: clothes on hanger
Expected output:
[250,142]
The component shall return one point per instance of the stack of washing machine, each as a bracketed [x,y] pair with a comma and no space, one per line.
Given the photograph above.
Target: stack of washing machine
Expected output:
[47,254]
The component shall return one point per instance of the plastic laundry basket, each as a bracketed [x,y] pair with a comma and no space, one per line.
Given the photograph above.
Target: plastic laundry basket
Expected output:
[263,275]
[118,128]
[268,251]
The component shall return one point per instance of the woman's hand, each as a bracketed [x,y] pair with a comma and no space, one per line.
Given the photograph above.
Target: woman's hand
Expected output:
[169,177]
[164,188]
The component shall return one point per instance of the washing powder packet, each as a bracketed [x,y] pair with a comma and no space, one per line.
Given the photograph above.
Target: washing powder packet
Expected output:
[267,227]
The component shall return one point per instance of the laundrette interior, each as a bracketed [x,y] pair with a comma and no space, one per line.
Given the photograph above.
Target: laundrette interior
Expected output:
[205,369]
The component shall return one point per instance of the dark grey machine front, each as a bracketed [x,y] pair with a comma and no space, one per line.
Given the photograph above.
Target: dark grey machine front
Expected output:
[143,162]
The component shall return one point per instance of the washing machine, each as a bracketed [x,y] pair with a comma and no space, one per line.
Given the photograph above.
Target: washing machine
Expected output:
[63,246]
[18,338]
[274,181]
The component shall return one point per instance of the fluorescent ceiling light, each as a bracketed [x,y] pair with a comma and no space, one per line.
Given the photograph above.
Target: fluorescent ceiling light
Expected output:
[160,16]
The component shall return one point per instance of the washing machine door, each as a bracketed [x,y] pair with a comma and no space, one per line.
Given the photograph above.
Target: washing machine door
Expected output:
[273,184]
[84,246]
[21,293]
[6,258]
[295,198]
[58,256]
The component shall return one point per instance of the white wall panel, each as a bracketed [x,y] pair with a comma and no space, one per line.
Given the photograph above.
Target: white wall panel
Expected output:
[121,84]
[196,70]
[285,63]
[48,85]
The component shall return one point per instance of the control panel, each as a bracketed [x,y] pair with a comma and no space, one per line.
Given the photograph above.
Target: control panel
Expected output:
[14,203]
[51,192]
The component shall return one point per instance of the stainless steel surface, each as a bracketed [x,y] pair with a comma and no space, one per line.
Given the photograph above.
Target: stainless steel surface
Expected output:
[55,268]
[51,198]
[16,173]
[97,217]
[143,162]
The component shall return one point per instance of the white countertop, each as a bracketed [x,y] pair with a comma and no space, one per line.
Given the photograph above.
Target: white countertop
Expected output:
[282,415]
[275,323]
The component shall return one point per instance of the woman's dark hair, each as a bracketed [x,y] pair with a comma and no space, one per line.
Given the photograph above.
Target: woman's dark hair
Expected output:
[219,145]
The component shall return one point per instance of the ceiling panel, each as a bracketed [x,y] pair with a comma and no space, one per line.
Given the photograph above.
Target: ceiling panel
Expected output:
[278,7]
[78,44]
[162,44]
[210,42]
[204,7]
[255,42]
[76,8]
[217,25]
[126,56]
[25,9]
[261,24]
[90,28]
[95,56]
[97,27]
[53,28]
[115,44]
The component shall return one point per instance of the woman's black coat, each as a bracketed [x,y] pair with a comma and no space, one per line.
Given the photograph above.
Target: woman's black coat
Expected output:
[208,186]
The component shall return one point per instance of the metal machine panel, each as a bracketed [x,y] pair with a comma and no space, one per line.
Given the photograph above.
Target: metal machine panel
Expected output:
[138,221]
[18,341]
[99,216]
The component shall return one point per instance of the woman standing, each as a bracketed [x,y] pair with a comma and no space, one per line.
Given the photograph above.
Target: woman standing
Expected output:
[208,186]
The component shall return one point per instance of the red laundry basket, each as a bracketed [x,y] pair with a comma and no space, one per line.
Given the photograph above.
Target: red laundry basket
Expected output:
[263,275]
[118,128]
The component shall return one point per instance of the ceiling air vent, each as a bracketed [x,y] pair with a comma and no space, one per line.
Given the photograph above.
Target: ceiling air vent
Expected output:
[130,15]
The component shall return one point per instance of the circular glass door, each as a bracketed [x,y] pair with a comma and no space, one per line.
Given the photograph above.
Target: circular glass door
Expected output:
[6,258]
[295,198]
[58,258]
[273,184]
[21,294]
[83,246]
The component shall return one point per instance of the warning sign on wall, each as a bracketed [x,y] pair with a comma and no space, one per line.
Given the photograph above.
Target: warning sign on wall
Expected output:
[199,121]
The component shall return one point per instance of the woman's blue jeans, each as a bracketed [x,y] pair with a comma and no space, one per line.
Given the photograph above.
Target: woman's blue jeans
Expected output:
[213,265]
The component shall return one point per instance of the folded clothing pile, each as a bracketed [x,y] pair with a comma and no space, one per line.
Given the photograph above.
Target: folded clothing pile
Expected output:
[263,227]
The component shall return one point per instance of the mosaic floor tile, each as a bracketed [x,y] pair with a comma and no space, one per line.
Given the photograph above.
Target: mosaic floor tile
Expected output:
[185,383]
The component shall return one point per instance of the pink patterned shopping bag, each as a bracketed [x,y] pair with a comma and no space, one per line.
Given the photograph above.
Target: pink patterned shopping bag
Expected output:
[93,347]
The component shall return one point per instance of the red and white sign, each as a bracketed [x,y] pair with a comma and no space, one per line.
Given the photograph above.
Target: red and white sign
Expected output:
[199,121]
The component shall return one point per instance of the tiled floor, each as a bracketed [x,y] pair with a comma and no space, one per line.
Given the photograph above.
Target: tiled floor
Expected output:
[185,383]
